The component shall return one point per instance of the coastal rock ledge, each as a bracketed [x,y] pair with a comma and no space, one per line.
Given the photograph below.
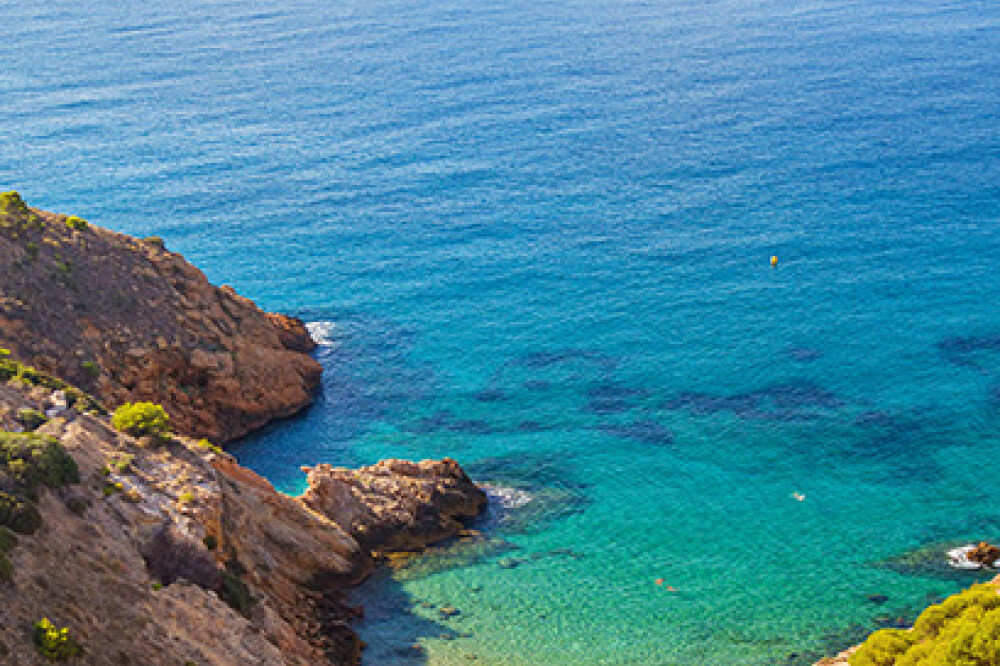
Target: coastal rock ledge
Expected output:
[395,505]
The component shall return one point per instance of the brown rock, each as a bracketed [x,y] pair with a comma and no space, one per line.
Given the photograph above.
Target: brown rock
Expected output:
[985,554]
[395,504]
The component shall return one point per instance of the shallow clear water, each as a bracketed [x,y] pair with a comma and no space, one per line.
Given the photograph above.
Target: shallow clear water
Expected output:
[539,235]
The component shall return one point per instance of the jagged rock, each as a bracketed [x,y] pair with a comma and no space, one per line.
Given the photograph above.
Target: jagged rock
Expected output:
[395,504]
[984,553]
[130,321]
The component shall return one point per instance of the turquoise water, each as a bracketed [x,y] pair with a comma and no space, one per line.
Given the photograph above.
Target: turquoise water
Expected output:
[536,237]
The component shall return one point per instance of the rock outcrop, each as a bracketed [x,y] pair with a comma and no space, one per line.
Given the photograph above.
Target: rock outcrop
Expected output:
[395,505]
[128,320]
[984,554]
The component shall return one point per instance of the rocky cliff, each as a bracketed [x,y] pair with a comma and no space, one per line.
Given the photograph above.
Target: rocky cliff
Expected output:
[166,550]
[129,320]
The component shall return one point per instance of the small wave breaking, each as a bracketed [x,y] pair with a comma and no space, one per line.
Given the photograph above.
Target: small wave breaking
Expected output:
[322,332]
[958,558]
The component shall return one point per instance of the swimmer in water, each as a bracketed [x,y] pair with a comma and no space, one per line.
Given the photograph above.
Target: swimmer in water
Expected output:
[799,496]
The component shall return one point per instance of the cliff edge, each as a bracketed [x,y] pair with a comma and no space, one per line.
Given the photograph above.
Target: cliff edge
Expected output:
[128,320]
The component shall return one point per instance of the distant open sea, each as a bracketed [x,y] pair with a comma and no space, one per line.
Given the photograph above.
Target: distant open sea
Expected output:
[535,236]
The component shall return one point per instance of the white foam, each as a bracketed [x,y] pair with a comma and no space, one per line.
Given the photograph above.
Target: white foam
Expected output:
[507,498]
[958,558]
[322,332]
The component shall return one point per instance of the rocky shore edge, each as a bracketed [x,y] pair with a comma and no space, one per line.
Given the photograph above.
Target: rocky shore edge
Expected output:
[164,550]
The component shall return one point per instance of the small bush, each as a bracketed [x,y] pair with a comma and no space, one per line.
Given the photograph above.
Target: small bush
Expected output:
[31,249]
[91,369]
[31,419]
[33,460]
[19,515]
[236,593]
[186,498]
[110,489]
[6,569]
[7,540]
[157,586]
[123,463]
[208,446]
[76,223]
[12,206]
[141,418]
[210,542]
[78,505]
[53,643]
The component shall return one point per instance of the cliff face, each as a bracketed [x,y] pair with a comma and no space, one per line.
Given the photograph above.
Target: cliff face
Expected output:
[128,320]
[177,516]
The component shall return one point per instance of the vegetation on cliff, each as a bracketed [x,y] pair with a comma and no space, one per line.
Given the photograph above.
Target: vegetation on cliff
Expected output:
[140,419]
[963,630]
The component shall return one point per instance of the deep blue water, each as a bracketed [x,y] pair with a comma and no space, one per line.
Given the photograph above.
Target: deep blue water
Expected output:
[537,238]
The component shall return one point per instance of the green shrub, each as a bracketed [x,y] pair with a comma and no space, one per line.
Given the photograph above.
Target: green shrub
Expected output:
[19,515]
[123,463]
[92,369]
[210,542]
[963,630]
[31,249]
[109,489]
[31,419]
[53,643]
[12,205]
[157,586]
[7,540]
[882,648]
[208,446]
[236,593]
[78,505]
[6,569]
[141,418]
[34,460]
[76,223]
[186,498]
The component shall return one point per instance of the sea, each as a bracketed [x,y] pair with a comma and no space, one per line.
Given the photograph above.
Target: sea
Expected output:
[537,237]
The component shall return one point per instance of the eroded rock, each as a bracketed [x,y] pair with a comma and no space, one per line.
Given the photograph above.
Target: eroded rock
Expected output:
[395,504]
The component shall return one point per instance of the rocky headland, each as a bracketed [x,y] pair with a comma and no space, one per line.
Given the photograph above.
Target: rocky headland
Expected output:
[164,550]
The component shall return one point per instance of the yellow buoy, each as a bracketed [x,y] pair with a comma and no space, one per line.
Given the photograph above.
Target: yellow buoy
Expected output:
[774,261]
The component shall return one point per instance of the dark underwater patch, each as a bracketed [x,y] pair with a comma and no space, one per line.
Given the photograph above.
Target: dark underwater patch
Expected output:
[794,400]
[610,398]
[445,421]
[491,395]
[803,354]
[645,431]
[548,359]
[963,350]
